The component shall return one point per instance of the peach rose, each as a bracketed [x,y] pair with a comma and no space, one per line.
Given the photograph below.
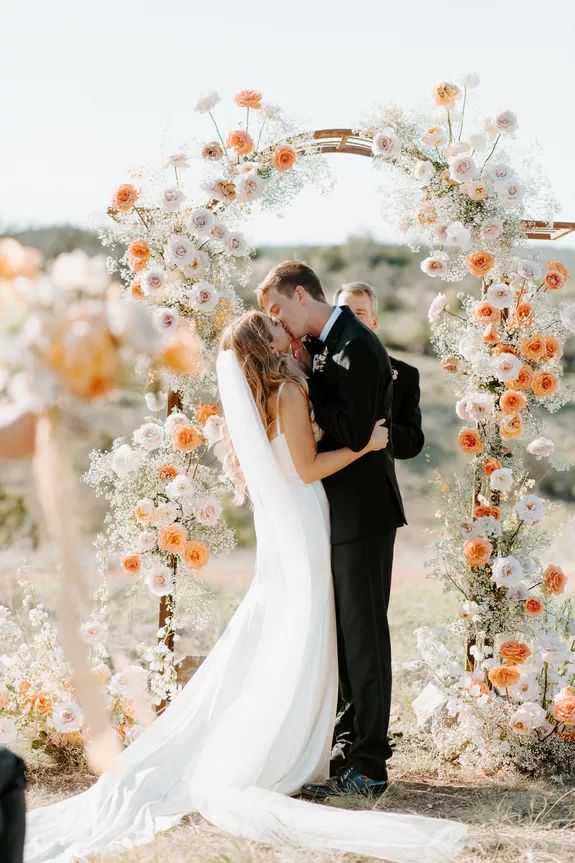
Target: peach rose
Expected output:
[533,347]
[167,471]
[144,511]
[523,380]
[553,348]
[183,353]
[446,94]
[477,551]
[554,580]
[470,441]
[196,554]
[512,402]
[524,312]
[564,707]
[482,511]
[490,336]
[544,384]
[477,687]
[125,197]
[131,564]
[503,676]
[511,427]
[504,349]
[554,280]
[484,313]
[171,538]
[136,289]
[451,364]
[284,158]
[241,142]
[479,263]
[204,412]
[491,464]
[186,438]
[138,255]
[212,151]
[533,606]
[514,651]
[426,214]
[249,99]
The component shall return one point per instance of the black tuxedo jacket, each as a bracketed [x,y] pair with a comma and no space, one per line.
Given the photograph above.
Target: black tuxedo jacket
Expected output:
[407,435]
[350,389]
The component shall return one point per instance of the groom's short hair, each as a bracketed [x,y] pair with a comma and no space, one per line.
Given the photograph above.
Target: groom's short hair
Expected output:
[285,278]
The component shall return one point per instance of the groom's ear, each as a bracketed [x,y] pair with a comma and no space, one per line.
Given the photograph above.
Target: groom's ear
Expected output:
[301,295]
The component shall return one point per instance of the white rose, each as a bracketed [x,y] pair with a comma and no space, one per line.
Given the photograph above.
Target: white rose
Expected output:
[146,509]
[207,510]
[236,244]
[478,142]
[207,102]
[125,460]
[526,690]
[507,571]
[517,592]
[66,717]
[499,172]
[510,193]
[150,436]
[203,297]
[541,447]
[249,186]
[179,250]
[165,514]
[177,160]
[130,679]
[500,295]
[424,171]
[202,221]
[480,406]
[435,136]
[501,479]
[530,508]
[175,419]
[435,264]
[456,149]
[522,721]
[462,168]
[386,143]
[196,266]
[568,316]
[171,199]
[492,230]
[156,401]
[178,487]
[146,540]
[461,409]
[214,429]
[529,270]
[457,234]
[552,650]
[153,282]
[436,308]
[93,632]
[505,122]
[507,366]
[467,79]
[159,580]
[167,318]
[219,232]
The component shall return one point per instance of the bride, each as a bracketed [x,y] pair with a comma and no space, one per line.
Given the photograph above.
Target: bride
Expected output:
[255,722]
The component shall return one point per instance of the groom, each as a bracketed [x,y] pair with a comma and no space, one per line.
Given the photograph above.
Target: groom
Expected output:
[351,387]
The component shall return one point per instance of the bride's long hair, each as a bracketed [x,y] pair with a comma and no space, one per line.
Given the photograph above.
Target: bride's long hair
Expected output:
[251,341]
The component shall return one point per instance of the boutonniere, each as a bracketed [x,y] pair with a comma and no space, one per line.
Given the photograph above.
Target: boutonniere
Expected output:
[394,374]
[320,360]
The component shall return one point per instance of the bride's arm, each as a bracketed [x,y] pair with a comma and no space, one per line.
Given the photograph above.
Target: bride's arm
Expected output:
[310,464]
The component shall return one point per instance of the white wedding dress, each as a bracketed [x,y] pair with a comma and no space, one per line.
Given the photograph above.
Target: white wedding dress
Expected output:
[255,721]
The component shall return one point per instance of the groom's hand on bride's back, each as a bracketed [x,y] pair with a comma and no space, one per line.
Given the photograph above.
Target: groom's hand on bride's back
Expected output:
[379,437]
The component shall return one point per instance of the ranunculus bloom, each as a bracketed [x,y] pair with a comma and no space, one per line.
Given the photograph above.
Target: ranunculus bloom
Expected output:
[125,197]
[533,606]
[470,441]
[138,255]
[249,99]
[503,676]
[514,651]
[554,580]
[484,313]
[511,427]
[284,158]
[446,94]
[131,564]
[196,554]
[553,348]
[554,280]
[564,707]
[533,347]
[477,551]
[241,142]
[523,380]
[512,402]
[171,538]
[479,263]
[544,384]
[167,472]
[491,464]
[483,511]
[186,438]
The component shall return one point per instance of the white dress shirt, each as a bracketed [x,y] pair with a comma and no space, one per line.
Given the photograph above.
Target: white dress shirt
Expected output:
[327,329]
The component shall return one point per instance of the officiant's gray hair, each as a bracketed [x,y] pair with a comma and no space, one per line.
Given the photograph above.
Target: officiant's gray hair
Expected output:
[357,288]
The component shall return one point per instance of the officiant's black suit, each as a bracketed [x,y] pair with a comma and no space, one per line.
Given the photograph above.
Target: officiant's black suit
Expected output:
[350,389]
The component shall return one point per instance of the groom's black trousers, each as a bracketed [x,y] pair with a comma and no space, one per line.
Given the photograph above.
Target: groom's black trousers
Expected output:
[362,582]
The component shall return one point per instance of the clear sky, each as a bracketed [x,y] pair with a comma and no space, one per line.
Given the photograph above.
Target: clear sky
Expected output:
[89,89]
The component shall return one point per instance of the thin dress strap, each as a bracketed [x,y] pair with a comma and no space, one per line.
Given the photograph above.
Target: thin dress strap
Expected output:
[278,421]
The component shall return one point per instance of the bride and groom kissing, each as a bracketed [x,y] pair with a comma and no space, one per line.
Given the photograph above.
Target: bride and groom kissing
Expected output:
[252,742]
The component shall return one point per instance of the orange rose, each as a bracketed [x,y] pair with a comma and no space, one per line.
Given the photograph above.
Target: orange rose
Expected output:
[480,263]
[125,197]
[446,94]
[533,347]
[172,538]
[544,384]
[553,348]
[186,438]
[136,289]
[485,313]
[138,255]
[514,651]
[533,606]
[511,427]
[512,401]
[477,551]
[564,707]
[554,280]
[204,412]
[241,142]
[249,99]
[196,554]
[523,380]
[132,564]
[559,267]
[503,676]
[491,464]
[470,441]
[481,511]
[284,158]
[554,580]
[524,312]
[167,471]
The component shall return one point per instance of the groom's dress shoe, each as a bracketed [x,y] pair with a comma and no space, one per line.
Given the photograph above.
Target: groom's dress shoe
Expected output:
[349,781]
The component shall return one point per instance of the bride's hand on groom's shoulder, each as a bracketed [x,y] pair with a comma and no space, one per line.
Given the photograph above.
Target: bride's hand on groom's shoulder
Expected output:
[379,437]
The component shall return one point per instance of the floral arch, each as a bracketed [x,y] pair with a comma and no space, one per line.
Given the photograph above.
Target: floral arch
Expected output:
[506,694]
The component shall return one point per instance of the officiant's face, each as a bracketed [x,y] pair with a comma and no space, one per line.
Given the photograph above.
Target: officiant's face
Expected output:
[360,304]
[292,312]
